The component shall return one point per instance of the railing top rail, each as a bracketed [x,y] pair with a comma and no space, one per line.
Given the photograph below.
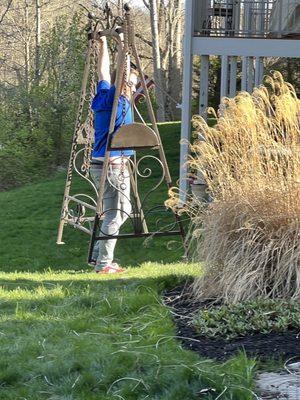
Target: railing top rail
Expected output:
[247,18]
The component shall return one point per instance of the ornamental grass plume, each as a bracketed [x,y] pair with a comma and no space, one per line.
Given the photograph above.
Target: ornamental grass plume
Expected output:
[249,235]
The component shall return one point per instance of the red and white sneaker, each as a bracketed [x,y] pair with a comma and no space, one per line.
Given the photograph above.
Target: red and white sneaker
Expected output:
[92,263]
[110,269]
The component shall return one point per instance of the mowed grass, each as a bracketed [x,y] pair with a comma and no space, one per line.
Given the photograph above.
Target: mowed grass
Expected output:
[30,215]
[69,334]
[74,335]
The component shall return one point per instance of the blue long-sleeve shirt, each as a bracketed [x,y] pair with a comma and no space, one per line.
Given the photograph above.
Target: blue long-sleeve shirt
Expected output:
[102,106]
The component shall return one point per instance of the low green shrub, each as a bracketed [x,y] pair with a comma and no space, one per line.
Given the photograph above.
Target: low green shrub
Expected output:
[249,317]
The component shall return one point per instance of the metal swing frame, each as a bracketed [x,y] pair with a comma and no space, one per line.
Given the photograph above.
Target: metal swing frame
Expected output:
[135,136]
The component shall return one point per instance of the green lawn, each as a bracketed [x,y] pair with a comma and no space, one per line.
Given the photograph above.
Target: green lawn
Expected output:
[69,334]
[29,219]
[73,335]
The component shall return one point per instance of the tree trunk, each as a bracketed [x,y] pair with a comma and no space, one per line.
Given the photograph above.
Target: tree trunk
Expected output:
[26,47]
[178,52]
[27,63]
[157,61]
[38,41]
[174,34]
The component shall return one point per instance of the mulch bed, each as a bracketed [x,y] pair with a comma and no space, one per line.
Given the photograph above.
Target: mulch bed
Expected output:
[263,346]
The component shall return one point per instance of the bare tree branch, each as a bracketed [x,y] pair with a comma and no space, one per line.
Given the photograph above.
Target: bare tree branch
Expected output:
[6,11]
[138,35]
[144,57]
[146,4]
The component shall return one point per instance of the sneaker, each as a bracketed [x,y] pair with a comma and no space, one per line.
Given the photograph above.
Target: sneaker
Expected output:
[92,263]
[110,269]
[116,265]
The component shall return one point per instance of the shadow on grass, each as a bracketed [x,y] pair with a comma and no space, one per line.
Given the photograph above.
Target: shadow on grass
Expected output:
[30,255]
[159,284]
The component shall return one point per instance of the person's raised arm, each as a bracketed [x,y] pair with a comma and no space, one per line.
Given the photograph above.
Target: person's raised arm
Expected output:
[103,61]
[104,97]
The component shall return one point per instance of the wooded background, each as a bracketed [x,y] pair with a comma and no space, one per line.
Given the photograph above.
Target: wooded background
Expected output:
[42,51]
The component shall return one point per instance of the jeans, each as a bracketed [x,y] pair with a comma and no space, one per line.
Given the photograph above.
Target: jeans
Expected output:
[116,209]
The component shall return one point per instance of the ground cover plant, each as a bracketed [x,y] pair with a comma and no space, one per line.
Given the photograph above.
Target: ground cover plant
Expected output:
[247,318]
[222,331]
[249,235]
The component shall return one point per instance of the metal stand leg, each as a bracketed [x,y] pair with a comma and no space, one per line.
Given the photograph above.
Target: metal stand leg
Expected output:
[141,224]
[74,147]
[126,46]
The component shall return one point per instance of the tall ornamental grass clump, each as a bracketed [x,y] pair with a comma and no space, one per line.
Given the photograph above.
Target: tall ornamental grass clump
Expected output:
[249,235]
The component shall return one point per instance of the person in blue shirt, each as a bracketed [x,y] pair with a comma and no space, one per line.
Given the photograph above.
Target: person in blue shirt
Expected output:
[116,199]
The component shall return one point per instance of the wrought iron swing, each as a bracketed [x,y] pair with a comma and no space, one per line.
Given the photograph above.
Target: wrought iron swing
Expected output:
[84,211]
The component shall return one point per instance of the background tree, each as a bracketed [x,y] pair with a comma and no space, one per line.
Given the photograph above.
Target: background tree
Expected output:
[42,53]
[157,60]
[166,19]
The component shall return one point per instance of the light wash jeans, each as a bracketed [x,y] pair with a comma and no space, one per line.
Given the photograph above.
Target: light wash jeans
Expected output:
[116,210]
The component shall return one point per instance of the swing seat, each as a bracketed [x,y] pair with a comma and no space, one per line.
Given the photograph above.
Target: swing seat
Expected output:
[134,136]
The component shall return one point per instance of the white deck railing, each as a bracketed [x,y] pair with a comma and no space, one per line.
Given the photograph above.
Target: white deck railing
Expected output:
[247,18]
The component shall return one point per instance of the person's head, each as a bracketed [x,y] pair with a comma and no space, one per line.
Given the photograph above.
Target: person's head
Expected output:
[131,81]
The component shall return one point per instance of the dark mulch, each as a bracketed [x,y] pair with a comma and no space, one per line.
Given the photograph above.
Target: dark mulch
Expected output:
[263,346]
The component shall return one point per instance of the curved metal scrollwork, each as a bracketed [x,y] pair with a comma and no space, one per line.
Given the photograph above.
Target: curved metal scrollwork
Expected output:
[125,216]
[134,182]
[79,169]
[147,172]
[147,211]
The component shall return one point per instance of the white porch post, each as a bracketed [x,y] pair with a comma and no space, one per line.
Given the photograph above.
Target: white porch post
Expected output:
[250,75]
[245,63]
[233,75]
[186,97]
[224,77]
[204,78]
[259,71]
